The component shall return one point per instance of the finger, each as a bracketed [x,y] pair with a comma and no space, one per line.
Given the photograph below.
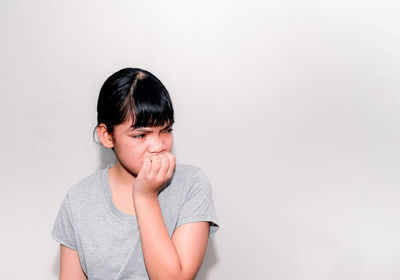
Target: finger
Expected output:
[164,167]
[172,163]
[146,167]
[155,165]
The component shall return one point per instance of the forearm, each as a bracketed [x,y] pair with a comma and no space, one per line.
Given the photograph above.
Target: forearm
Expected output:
[161,258]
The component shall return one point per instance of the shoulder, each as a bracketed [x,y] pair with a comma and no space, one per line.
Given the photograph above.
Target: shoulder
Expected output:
[188,173]
[190,177]
[87,187]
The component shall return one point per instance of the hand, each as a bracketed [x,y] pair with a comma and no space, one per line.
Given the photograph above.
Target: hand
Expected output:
[155,172]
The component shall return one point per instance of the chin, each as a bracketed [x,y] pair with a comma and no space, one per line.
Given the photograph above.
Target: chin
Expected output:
[133,170]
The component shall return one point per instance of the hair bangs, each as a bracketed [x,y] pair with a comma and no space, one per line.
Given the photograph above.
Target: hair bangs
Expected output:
[151,105]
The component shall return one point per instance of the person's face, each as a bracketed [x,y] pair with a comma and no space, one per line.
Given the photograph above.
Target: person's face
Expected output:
[131,146]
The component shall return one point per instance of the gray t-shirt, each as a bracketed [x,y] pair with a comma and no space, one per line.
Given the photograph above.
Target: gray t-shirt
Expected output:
[108,240]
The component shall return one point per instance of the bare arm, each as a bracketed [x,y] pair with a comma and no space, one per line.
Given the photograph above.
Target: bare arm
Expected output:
[70,267]
[177,258]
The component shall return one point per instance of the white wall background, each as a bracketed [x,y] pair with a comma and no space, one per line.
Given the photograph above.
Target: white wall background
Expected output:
[292,108]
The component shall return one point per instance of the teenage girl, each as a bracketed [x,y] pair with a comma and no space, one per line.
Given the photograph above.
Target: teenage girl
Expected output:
[143,216]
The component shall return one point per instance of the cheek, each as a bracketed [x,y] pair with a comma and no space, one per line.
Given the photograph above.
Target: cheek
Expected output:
[132,156]
[169,143]
[130,151]
[136,151]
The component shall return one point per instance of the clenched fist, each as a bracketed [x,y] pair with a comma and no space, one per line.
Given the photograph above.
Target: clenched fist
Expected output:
[155,172]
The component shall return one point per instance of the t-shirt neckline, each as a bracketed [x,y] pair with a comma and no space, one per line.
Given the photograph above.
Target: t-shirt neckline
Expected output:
[108,197]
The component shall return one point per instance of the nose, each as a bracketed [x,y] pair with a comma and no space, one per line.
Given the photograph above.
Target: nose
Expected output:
[157,146]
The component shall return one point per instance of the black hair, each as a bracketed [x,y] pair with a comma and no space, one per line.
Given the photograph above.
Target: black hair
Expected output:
[137,95]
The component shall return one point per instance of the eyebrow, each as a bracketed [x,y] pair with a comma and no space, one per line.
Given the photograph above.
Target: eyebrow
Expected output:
[147,129]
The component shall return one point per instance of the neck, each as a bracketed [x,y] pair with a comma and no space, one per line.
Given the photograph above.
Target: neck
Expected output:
[120,178]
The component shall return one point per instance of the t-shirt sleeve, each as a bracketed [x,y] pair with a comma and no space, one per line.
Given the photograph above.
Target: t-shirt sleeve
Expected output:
[198,203]
[63,230]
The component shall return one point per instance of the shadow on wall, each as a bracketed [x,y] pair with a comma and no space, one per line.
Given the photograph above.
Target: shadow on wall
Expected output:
[56,263]
[209,261]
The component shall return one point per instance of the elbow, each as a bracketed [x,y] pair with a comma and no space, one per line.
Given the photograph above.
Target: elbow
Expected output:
[174,274]
[182,275]
[174,277]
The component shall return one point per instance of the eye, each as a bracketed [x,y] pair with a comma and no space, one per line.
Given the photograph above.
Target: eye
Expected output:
[169,130]
[139,136]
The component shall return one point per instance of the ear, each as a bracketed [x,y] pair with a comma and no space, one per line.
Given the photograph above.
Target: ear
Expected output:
[104,136]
